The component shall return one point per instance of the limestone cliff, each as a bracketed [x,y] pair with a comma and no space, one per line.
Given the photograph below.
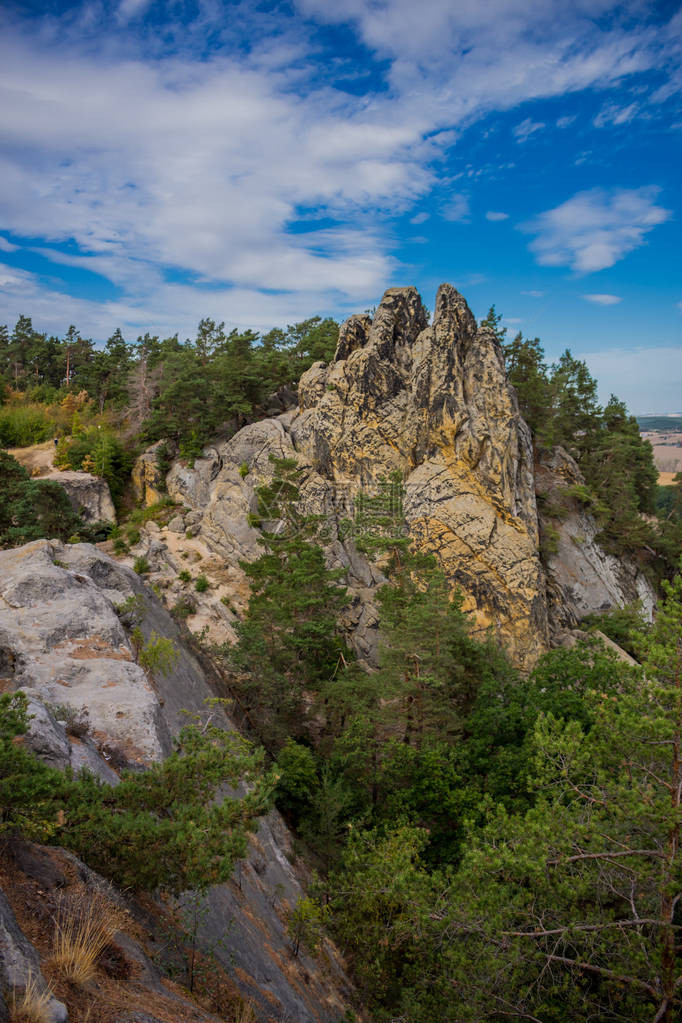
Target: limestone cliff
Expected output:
[430,401]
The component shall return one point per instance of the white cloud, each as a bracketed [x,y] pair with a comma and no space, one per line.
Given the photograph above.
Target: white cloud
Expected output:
[491,215]
[534,294]
[603,299]
[165,310]
[201,168]
[419,218]
[596,228]
[523,131]
[611,113]
[564,122]
[457,208]
[129,9]
[6,246]
[147,162]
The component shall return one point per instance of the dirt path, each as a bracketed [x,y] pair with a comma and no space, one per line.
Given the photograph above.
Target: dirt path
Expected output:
[37,459]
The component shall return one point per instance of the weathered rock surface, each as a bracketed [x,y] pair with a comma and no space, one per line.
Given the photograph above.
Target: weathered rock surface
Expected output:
[581,577]
[431,402]
[62,642]
[89,495]
[148,482]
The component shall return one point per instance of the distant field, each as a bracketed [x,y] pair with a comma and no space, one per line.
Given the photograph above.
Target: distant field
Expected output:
[673,423]
[667,444]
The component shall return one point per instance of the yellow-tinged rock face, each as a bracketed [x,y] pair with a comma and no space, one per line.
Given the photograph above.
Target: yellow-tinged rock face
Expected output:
[430,402]
[433,402]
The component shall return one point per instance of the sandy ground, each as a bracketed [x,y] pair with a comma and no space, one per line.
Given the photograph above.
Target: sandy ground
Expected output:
[38,459]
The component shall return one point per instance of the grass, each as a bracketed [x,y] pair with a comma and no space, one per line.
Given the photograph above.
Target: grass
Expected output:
[30,1005]
[84,925]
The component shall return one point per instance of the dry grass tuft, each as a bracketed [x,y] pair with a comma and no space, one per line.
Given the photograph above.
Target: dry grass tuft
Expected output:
[30,1005]
[245,1013]
[85,923]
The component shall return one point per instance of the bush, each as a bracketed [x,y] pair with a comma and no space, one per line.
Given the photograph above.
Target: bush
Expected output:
[185,576]
[22,425]
[164,827]
[184,607]
[201,584]
[141,565]
[32,509]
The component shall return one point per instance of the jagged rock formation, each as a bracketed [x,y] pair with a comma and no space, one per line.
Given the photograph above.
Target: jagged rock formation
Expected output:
[431,402]
[62,641]
[581,577]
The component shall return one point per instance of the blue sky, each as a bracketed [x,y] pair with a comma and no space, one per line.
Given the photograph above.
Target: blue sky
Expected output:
[264,162]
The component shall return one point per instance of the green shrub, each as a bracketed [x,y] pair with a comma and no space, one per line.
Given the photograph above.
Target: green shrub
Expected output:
[184,607]
[201,584]
[185,576]
[32,509]
[133,535]
[141,565]
[164,827]
[158,655]
[244,470]
[22,425]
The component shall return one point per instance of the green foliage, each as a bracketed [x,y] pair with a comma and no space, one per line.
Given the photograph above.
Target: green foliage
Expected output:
[141,565]
[162,827]
[185,575]
[305,925]
[201,584]
[158,655]
[569,911]
[624,625]
[101,452]
[28,788]
[22,425]
[288,644]
[31,509]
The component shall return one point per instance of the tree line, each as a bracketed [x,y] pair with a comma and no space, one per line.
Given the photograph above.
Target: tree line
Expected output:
[154,388]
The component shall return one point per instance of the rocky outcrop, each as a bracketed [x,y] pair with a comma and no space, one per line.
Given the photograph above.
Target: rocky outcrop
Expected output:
[63,642]
[89,495]
[147,476]
[430,402]
[581,577]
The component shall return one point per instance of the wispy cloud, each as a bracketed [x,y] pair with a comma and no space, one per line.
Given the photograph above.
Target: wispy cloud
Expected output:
[420,218]
[564,122]
[523,131]
[534,294]
[491,215]
[611,113]
[457,208]
[6,246]
[603,299]
[596,228]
